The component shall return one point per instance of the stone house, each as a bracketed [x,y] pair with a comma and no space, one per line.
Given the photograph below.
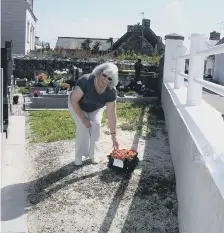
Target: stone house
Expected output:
[18,23]
[140,39]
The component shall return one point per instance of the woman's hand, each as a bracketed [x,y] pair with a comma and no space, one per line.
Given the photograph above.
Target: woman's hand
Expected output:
[87,123]
[112,120]
[115,142]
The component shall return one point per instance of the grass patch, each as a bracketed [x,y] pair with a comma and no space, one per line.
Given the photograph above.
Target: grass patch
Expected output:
[50,126]
[129,116]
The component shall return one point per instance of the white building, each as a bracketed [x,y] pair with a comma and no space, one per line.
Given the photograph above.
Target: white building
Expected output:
[219,66]
[18,23]
[210,60]
[209,65]
[38,44]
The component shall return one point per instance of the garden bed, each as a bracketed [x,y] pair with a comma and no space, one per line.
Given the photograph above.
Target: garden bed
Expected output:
[49,126]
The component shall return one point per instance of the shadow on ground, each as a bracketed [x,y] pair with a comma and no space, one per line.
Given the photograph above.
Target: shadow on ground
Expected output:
[37,190]
[154,204]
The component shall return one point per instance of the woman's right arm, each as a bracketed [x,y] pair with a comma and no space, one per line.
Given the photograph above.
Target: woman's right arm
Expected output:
[76,95]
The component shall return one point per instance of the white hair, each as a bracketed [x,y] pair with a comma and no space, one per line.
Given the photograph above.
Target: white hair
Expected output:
[110,69]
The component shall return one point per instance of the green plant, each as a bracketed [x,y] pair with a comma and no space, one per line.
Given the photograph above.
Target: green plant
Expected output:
[96,47]
[110,41]
[133,56]
[58,76]
[86,44]
[23,90]
[131,93]
[129,115]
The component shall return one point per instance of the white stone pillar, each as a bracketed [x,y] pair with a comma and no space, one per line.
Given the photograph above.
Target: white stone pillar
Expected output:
[196,69]
[1,101]
[171,44]
[180,66]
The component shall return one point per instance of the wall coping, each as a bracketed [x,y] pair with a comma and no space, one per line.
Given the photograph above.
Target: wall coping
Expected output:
[208,136]
[174,36]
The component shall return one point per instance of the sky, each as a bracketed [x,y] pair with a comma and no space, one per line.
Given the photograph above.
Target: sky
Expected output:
[106,18]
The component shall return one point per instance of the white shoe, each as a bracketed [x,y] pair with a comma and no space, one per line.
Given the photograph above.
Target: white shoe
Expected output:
[95,161]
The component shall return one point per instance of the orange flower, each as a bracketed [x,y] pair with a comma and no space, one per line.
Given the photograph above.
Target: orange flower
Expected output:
[123,154]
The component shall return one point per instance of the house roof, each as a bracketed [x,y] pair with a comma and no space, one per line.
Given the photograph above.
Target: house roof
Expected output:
[148,34]
[76,43]
[211,43]
[221,41]
[31,11]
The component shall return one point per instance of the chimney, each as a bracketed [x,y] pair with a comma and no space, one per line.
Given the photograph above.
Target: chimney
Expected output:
[214,35]
[146,23]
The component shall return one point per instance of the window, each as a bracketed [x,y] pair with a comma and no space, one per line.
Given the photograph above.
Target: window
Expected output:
[30,37]
[28,32]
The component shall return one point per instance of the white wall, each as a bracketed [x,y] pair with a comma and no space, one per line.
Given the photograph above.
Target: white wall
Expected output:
[14,15]
[209,66]
[200,183]
[13,24]
[31,28]
[219,68]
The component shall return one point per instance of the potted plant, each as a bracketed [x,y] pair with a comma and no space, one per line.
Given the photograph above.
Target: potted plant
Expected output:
[124,159]
[15,99]
[64,86]
[36,93]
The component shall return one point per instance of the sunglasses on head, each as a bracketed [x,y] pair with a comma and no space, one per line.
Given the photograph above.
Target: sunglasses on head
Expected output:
[105,76]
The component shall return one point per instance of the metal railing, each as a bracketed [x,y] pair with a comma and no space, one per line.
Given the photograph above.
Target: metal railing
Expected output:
[197,55]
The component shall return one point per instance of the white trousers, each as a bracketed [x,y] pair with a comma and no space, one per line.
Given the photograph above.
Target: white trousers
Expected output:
[87,140]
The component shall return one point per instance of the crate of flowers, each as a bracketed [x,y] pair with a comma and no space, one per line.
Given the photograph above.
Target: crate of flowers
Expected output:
[123,158]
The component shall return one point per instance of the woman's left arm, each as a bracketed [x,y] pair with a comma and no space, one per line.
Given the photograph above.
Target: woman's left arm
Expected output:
[112,120]
[112,117]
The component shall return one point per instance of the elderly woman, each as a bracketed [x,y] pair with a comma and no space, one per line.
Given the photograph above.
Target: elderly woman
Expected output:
[87,102]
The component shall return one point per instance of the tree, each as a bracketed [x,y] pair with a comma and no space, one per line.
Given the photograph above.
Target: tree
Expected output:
[96,47]
[86,44]
[110,40]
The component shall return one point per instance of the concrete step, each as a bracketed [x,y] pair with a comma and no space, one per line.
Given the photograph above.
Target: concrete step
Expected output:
[13,217]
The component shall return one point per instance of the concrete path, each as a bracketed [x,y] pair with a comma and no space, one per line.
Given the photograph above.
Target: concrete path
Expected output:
[13,218]
[214,100]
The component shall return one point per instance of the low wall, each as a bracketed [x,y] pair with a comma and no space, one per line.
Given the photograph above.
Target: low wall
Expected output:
[39,88]
[47,102]
[196,135]
[25,66]
[62,102]
[55,96]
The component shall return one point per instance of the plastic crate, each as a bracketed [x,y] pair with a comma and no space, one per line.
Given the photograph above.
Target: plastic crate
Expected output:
[126,164]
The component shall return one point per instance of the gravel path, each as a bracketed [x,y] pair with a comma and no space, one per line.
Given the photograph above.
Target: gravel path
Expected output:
[94,199]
